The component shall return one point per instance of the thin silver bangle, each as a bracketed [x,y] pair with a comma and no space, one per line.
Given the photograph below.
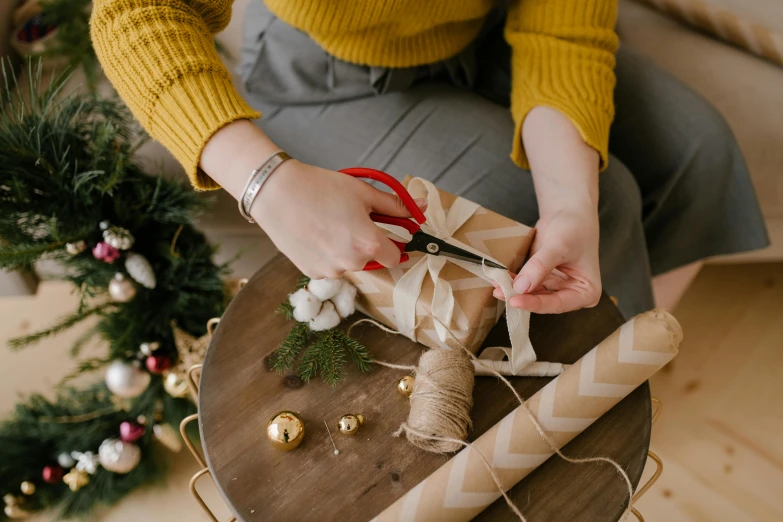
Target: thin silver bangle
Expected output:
[257,179]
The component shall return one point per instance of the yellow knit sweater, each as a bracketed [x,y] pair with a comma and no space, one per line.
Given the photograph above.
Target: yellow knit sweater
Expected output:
[160,56]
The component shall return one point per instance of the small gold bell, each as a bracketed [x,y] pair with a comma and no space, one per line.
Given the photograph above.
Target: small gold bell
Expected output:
[349,424]
[12,509]
[14,512]
[285,430]
[76,479]
[27,487]
[175,384]
[405,385]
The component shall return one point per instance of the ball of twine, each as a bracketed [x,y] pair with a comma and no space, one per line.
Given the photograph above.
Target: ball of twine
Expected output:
[441,401]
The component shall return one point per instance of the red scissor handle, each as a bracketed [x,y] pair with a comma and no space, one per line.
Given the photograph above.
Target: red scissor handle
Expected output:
[402,193]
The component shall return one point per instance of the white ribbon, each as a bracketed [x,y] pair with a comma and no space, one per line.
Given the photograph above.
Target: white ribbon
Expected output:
[408,288]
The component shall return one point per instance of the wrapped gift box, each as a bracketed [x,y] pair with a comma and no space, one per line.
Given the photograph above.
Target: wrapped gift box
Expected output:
[475,310]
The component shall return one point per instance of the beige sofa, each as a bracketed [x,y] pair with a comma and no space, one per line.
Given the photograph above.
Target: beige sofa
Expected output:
[746,89]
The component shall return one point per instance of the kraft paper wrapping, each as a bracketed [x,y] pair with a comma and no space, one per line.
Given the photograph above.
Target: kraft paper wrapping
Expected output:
[476,311]
[462,488]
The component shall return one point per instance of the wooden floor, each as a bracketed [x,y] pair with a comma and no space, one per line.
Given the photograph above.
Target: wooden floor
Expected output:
[721,431]
[720,435]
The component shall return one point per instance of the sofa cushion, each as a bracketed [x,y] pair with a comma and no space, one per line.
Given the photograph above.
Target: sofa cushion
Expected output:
[741,24]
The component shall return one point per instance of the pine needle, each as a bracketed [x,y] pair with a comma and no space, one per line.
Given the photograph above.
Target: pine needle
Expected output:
[285,356]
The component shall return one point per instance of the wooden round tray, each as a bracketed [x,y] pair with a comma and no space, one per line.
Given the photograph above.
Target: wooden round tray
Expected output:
[239,394]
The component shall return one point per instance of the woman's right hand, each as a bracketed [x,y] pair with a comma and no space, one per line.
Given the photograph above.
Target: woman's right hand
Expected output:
[320,219]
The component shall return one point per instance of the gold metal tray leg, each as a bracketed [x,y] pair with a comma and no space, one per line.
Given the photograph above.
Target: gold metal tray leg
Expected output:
[657,408]
[194,389]
[197,496]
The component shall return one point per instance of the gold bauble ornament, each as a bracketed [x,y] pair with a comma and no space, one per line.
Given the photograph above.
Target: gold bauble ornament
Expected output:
[14,512]
[75,248]
[285,430]
[27,487]
[190,351]
[167,436]
[175,384]
[349,424]
[405,385]
[76,479]
[12,509]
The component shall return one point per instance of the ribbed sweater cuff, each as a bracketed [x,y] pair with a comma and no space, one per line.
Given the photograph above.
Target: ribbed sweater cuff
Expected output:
[189,112]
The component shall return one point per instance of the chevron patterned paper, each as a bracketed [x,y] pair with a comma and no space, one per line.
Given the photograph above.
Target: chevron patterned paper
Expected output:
[476,311]
[571,402]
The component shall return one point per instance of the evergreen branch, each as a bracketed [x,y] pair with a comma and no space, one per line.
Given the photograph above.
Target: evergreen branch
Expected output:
[64,324]
[85,366]
[285,355]
[285,309]
[82,340]
[302,283]
[310,361]
[331,358]
[19,255]
[356,350]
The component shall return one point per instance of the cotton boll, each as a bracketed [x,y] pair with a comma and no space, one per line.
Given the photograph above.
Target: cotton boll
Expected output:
[345,300]
[326,319]
[324,289]
[306,305]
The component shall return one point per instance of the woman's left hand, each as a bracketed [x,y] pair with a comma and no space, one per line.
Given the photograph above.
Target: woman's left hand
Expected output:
[562,273]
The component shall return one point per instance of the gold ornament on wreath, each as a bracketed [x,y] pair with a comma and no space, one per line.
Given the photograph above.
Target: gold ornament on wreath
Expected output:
[13,509]
[76,247]
[76,479]
[190,352]
[118,237]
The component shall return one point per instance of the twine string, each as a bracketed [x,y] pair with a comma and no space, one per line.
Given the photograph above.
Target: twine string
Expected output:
[404,427]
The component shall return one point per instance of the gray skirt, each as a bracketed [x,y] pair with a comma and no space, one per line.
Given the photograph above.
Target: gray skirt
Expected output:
[676,189]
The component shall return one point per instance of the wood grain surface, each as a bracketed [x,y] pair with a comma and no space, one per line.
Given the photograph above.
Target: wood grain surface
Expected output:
[239,394]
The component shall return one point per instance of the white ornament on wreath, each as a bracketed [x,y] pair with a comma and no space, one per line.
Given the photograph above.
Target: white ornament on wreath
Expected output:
[140,270]
[119,456]
[125,380]
[324,303]
[86,461]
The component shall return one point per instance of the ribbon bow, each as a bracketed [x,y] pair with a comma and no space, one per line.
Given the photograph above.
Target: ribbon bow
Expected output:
[406,293]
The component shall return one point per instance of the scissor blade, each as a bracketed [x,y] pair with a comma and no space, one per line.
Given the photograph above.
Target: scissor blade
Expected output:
[428,244]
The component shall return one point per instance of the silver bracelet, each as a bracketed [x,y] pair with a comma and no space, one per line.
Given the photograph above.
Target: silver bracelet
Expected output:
[257,179]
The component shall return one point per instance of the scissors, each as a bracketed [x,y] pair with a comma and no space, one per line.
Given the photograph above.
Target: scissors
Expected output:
[420,241]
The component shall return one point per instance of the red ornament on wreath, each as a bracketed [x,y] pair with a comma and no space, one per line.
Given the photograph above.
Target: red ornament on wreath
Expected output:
[131,432]
[158,364]
[105,252]
[52,474]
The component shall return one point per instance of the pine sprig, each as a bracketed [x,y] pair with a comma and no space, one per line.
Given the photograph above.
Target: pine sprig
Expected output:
[356,350]
[64,324]
[285,309]
[72,41]
[310,362]
[327,354]
[285,356]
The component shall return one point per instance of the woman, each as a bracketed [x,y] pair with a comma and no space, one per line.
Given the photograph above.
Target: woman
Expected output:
[417,87]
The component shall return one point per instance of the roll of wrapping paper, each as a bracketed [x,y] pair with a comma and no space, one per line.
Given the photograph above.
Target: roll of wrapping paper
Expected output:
[463,487]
